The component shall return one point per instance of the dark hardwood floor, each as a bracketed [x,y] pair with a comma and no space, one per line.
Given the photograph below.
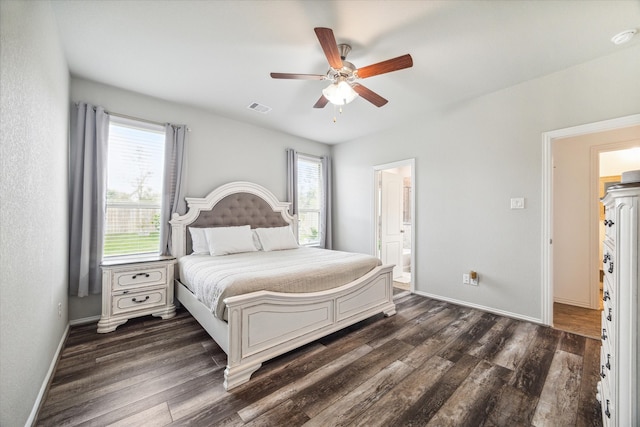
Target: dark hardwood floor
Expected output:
[433,363]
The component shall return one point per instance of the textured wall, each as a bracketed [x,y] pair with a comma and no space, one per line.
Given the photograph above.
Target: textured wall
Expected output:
[33,196]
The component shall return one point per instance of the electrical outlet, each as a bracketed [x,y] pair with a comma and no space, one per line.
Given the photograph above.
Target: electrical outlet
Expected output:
[59,309]
[465,279]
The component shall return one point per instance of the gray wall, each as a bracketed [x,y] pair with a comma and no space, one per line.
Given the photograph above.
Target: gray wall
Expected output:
[219,150]
[33,194]
[470,160]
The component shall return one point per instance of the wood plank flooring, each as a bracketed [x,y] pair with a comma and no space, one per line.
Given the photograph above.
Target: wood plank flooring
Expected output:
[578,320]
[433,364]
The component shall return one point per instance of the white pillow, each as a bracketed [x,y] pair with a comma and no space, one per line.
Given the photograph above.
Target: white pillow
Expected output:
[230,240]
[276,238]
[256,240]
[199,243]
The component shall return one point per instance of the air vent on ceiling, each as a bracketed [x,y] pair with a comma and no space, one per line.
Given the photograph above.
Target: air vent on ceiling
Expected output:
[259,108]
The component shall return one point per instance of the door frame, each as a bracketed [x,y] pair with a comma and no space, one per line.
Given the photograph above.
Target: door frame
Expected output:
[411,163]
[547,200]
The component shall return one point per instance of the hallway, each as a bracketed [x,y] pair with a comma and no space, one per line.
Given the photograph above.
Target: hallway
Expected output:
[577,320]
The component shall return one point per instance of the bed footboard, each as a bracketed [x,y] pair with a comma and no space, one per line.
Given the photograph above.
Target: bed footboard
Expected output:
[263,325]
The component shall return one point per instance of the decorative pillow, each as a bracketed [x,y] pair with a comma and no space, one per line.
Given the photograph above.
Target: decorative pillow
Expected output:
[230,240]
[276,238]
[199,243]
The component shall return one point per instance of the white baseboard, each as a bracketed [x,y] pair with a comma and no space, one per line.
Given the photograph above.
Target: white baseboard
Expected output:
[483,308]
[43,389]
[571,302]
[84,321]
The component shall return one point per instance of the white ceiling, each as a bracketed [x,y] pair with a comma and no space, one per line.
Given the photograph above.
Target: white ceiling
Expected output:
[217,55]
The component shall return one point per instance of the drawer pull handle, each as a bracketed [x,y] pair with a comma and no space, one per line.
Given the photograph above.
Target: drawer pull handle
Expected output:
[606,296]
[607,257]
[604,334]
[139,301]
[602,374]
[608,365]
[140,274]
[606,222]
[609,315]
[610,223]
[607,412]
[611,267]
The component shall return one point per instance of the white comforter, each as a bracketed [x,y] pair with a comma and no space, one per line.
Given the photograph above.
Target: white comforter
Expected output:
[214,278]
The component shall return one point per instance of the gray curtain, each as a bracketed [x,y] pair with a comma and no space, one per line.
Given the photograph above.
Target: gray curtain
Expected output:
[325,211]
[292,180]
[87,193]
[173,200]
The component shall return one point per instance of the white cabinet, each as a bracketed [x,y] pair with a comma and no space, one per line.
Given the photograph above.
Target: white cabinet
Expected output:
[619,361]
[136,288]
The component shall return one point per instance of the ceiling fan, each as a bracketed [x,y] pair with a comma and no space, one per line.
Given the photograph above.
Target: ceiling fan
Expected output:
[344,76]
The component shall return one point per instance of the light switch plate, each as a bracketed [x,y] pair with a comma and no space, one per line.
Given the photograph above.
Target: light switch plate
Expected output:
[517,203]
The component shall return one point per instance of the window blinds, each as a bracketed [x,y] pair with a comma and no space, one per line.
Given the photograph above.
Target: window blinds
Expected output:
[309,199]
[135,165]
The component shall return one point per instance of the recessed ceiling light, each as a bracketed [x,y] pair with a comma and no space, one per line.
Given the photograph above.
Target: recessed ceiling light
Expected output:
[624,36]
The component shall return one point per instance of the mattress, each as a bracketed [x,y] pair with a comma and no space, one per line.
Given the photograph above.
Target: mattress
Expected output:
[213,278]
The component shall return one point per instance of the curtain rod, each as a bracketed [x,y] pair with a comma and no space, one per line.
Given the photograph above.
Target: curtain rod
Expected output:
[124,116]
[138,119]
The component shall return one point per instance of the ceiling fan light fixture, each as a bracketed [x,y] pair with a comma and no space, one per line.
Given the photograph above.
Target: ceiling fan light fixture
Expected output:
[340,92]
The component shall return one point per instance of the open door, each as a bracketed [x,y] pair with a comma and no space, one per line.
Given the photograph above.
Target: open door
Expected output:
[391,230]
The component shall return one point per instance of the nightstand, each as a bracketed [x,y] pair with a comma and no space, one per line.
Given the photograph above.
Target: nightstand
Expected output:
[136,287]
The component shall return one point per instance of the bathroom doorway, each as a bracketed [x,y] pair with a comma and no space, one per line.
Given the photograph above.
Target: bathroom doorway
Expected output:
[395,220]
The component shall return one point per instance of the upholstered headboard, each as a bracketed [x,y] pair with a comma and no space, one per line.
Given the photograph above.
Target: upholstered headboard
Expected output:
[233,204]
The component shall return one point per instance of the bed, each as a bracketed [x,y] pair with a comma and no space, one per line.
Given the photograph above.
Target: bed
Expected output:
[262,324]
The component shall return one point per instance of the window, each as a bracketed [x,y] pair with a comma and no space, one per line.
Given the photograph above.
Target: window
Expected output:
[309,199]
[135,165]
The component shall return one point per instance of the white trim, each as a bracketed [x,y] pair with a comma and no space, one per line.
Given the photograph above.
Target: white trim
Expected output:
[547,199]
[572,302]
[481,307]
[47,379]
[84,320]
[398,164]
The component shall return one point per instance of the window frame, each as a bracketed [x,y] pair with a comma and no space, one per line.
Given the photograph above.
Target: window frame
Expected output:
[317,160]
[144,126]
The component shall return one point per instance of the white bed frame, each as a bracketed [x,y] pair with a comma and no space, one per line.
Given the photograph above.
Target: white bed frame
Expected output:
[262,325]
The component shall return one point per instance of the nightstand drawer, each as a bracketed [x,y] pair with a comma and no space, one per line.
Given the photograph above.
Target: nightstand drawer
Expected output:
[138,300]
[136,277]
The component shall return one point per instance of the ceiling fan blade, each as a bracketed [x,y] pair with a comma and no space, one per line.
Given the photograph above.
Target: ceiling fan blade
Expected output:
[399,63]
[369,95]
[298,76]
[329,46]
[321,102]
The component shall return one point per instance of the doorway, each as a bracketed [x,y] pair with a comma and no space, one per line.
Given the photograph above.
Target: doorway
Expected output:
[589,231]
[394,220]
